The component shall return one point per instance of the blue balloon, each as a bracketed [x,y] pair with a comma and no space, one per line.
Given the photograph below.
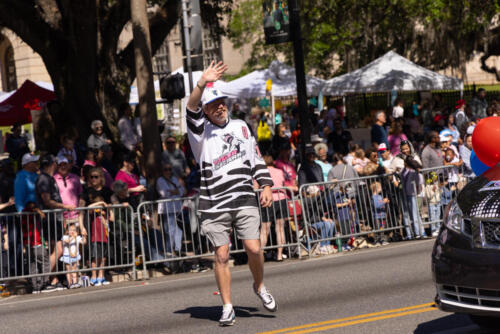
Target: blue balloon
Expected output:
[477,165]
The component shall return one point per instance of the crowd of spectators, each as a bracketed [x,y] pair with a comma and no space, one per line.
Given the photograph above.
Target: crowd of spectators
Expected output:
[97,172]
[425,148]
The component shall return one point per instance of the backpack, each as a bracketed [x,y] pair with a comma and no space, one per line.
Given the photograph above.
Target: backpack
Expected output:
[263,131]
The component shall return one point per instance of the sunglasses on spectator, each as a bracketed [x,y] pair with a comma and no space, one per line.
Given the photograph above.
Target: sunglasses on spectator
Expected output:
[95,176]
[170,142]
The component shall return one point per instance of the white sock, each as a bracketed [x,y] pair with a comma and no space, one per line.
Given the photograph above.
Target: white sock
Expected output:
[227,306]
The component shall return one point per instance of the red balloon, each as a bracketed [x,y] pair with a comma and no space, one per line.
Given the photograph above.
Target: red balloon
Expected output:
[486,140]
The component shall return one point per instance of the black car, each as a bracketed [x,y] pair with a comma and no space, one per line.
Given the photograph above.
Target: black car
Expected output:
[466,255]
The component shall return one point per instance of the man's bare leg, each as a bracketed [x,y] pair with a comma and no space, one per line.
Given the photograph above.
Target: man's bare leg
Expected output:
[222,273]
[255,261]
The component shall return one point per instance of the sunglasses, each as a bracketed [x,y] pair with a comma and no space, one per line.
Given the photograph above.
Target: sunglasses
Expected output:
[95,176]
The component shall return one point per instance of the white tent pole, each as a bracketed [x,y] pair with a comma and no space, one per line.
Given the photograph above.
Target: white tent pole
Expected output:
[345,106]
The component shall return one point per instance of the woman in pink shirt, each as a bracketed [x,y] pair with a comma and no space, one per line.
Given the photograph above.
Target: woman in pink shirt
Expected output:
[396,136]
[125,174]
[287,167]
[278,212]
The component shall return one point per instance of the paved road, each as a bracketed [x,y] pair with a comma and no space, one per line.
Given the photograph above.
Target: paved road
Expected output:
[383,290]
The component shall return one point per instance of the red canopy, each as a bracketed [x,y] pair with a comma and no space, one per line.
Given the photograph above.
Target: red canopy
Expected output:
[17,107]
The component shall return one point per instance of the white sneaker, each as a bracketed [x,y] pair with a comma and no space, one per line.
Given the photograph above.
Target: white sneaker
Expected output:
[228,316]
[267,299]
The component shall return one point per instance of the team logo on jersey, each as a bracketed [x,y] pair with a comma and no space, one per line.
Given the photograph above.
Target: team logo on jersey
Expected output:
[245,132]
[231,150]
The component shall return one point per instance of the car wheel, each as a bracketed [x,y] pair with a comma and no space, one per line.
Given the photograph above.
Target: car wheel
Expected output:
[485,322]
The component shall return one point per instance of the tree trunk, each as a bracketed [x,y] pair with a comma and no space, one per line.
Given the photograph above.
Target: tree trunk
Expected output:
[147,107]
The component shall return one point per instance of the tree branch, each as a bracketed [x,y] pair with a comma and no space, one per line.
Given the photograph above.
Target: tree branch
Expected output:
[160,24]
[50,12]
[23,17]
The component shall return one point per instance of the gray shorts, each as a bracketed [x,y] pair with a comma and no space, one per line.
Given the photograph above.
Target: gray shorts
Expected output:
[217,226]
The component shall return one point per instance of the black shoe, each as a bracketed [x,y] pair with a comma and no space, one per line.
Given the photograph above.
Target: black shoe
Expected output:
[60,287]
[49,288]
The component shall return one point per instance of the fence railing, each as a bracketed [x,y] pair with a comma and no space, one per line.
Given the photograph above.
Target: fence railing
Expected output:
[39,245]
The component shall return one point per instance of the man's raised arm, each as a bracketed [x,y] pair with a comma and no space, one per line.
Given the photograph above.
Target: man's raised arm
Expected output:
[211,74]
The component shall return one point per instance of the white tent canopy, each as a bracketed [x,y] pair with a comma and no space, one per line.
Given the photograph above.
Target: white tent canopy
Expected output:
[391,72]
[253,84]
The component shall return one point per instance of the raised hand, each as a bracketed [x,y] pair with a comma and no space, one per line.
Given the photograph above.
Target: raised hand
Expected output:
[213,72]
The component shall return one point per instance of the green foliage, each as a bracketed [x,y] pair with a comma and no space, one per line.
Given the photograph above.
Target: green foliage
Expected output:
[343,35]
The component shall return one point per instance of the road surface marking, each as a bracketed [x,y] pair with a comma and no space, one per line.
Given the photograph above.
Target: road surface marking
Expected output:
[358,319]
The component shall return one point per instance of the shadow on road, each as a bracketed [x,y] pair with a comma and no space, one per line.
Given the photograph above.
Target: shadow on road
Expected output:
[453,323]
[214,312]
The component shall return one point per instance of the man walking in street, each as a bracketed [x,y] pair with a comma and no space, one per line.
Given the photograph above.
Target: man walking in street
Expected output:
[229,160]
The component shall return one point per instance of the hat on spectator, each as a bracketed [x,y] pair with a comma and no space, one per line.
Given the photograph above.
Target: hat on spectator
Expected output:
[47,160]
[61,159]
[28,157]
[460,104]
[5,162]
[211,94]
[470,129]
[446,133]
[171,139]
[310,150]
[278,119]
[382,147]
[316,139]
[443,138]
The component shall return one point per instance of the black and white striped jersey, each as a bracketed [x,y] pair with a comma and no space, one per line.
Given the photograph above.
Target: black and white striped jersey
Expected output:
[229,159]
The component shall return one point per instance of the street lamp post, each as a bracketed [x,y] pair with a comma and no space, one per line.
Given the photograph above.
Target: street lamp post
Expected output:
[298,54]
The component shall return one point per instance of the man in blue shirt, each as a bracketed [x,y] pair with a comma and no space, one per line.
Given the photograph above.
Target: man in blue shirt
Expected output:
[24,185]
[379,132]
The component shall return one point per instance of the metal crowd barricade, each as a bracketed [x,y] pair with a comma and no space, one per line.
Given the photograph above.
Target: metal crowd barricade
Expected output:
[37,240]
[168,230]
[338,210]
[281,225]
[440,186]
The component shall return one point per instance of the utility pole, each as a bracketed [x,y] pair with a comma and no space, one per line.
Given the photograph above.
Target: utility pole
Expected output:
[145,87]
[298,55]
[187,41]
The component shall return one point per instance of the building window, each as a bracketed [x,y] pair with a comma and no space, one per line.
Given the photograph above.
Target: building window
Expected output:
[161,60]
[10,70]
[211,48]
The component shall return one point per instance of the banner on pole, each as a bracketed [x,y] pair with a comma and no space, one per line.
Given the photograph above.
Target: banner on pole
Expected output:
[276,21]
